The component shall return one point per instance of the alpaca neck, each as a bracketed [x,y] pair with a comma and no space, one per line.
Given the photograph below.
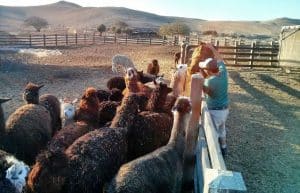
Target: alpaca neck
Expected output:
[177,137]
[125,115]
[133,86]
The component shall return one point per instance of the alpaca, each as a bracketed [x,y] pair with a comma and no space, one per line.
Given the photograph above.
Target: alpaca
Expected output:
[13,174]
[107,111]
[161,170]
[88,108]
[113,95]
[178,80]
[12,171]
[90,161]
[50,102]
[120,63]
[177,56]
[133,85]
[116,82]
[153,67]
[67,111]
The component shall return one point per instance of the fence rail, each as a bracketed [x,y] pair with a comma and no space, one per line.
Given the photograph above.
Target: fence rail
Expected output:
[235,53]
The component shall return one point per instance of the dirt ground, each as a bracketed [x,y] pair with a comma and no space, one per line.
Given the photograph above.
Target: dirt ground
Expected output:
[264,120]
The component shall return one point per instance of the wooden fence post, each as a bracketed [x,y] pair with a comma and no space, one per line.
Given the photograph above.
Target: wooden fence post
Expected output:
[126,40]
[115,39]
[84,38]
[150,40]
[104,39]
[76,39]
[56,40]
[252,54]
[235,52]
[44,40]
[272,47]
[30,42]
[67,39]
[198,40]
[94,38]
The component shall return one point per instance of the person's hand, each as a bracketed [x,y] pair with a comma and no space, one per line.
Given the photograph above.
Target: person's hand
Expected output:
[204,63]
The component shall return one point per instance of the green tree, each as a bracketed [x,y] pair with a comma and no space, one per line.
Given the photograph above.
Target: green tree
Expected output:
[37,22]
[101,28]
[176,28]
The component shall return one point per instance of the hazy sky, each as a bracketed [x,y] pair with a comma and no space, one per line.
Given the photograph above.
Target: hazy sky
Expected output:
[202,9]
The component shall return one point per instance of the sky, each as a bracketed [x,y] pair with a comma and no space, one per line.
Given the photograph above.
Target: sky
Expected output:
[254,10]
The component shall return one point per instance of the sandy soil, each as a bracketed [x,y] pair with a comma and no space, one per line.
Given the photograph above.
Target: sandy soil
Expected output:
[264,120]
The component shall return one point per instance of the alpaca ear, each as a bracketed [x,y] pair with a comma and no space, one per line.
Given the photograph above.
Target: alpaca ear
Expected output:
[4,100]
[74,101]
[40,86]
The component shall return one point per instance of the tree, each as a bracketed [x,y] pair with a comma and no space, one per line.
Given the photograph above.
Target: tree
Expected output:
[101,28]
[37,22]
[176,28]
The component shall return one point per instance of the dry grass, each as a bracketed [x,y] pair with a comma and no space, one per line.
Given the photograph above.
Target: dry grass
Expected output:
[264,118]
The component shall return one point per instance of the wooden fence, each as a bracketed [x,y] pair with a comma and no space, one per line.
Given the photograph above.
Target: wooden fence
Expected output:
[235,53]
[254,55]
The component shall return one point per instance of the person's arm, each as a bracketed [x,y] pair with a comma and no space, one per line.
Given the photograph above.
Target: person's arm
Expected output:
[204,74]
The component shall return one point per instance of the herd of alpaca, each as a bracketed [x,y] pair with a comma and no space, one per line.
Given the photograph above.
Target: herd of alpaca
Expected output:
[129,137]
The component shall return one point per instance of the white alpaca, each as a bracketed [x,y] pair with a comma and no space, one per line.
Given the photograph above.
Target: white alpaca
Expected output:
[178,79]
[120,63]
[17,173]
[67,111]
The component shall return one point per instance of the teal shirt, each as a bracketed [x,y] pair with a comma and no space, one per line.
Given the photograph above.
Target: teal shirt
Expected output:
[219,88]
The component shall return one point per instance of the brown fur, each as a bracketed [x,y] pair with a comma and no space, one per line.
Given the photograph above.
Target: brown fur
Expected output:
[153,67]
[161,170]
[177,57]
[27,132]
[158,97]
[116,82]
[52,104]
[88,108]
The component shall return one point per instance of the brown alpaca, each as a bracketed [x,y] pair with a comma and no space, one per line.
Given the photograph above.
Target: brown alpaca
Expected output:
[133,85]
[176,58]
[153,67]
[88,108]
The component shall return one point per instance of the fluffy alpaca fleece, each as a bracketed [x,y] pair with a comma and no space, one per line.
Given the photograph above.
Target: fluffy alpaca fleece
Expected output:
[52,104]
[107,111]
[153,67]
[12,174]
[178,80]
[90,161]
[158,97]
[112,95]
[116,82]
[120,63]
[67,135]
[27,132]
[159,171]
[88,108]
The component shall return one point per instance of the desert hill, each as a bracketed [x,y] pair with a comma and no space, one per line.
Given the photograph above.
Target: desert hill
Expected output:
[66,14]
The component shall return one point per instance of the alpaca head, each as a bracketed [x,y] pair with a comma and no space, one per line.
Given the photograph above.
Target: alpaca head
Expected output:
[31,93]
[89,99]
[182,105]
[68,109]
[49,173]
[155,62]
[16,173]
[132,74]
[115,95]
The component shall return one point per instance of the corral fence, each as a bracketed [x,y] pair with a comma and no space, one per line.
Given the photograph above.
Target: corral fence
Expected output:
[237,53]
[241,55]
